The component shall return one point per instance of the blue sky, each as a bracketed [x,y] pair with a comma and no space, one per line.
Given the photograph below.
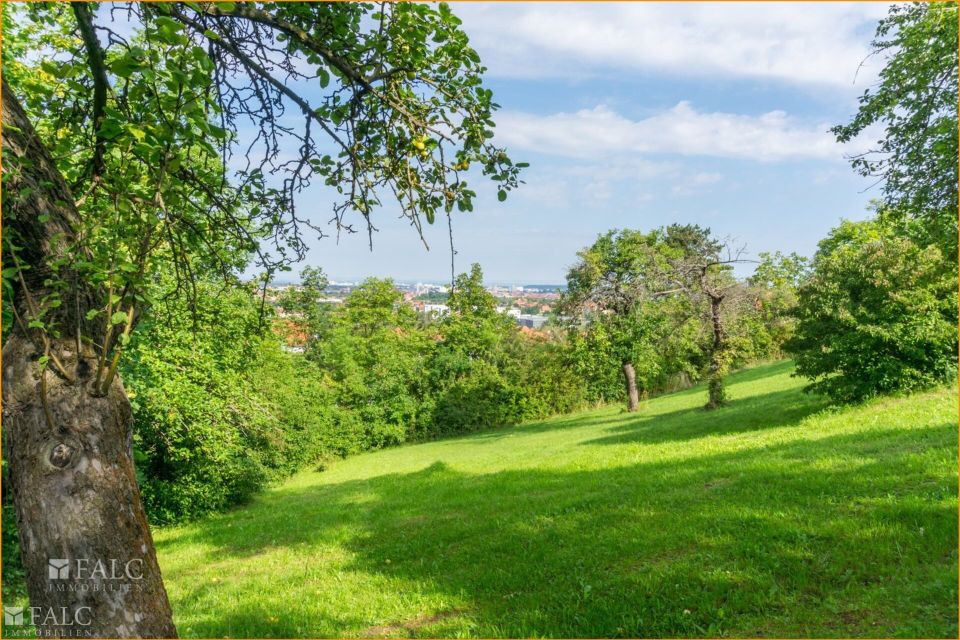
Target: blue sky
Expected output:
[639,115]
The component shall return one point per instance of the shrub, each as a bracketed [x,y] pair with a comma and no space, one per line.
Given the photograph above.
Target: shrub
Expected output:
[482,399]
[878,315]
[221,411]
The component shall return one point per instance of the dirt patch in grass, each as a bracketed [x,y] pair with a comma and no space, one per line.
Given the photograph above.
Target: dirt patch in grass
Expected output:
[408,626]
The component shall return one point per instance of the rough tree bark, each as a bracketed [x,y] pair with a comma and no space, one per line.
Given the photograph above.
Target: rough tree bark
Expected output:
[633,397]
[718,366]
[69,447]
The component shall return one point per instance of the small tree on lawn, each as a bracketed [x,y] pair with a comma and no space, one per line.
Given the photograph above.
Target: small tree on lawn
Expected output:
[616,283]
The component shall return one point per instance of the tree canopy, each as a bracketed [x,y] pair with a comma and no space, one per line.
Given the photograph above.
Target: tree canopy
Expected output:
[915,103]
[186,131]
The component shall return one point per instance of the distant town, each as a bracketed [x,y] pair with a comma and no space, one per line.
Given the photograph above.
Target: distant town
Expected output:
[531,305]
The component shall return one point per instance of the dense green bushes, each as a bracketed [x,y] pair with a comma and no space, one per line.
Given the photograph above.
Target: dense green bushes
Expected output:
[878,315]
[215,417]
[471,370]
[222,410]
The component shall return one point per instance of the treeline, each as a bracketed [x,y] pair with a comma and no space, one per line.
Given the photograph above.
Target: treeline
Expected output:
[221,410]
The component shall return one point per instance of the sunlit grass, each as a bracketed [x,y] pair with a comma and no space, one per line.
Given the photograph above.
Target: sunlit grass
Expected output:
[774,516]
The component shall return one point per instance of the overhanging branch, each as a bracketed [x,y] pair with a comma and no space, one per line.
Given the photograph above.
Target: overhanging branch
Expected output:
[101,85]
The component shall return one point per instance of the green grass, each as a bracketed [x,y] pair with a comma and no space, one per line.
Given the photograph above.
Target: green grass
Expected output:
[775,516]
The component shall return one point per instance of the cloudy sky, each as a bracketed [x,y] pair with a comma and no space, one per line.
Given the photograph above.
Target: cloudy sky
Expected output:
[639,115]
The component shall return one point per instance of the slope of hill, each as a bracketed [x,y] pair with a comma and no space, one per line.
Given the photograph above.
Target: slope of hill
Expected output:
[774,516]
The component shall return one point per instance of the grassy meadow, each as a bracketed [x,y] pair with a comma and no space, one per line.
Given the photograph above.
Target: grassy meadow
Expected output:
[775,516]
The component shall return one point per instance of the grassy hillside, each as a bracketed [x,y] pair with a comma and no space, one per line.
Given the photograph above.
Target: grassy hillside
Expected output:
[774,516]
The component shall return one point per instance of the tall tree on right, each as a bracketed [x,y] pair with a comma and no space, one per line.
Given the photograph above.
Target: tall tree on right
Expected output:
[915,102]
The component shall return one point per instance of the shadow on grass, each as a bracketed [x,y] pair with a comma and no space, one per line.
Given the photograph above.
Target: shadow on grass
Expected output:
[846,535]
[614,414]
[767,411]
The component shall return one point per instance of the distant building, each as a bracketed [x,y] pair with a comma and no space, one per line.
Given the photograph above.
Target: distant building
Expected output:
[436,310]
[530,320]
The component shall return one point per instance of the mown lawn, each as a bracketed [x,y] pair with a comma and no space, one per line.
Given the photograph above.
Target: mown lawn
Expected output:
[775,516]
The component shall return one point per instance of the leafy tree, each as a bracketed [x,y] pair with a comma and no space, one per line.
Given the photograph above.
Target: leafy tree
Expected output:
[616,284]
[775,281]
[473,328]
[469,388]
[117,151]
[915,102]
[303,301]
[703,268]
[375,354]
[877,315]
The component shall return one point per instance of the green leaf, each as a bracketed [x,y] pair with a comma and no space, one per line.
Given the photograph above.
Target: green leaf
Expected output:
[118,317]
[501,195]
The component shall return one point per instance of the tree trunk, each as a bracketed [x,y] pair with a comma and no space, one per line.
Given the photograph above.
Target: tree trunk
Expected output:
[633,397]
[89,558]
[718,366]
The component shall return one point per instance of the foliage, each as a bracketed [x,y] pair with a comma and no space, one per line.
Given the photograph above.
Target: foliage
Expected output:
[775,282]
[878,314]
[915,102]
[541,368]
[213,418]
[14,579]
[198,430]
[617,287]
[315,431]
[146,123]
[468,379]
[302,302]
[670,504]
[649,301]
[375,356]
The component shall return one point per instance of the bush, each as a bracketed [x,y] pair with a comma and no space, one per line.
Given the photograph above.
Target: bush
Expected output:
[198,428]
[375,357]
[480,400]
[221,411]
[878,315]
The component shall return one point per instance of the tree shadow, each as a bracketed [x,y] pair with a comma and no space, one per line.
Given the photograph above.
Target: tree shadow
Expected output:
[843,535]
[691,400]
[768,411]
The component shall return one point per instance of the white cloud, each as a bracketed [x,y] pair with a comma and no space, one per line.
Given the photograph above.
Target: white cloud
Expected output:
[807,43]
[683,130]
[706,178]
[562,185]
